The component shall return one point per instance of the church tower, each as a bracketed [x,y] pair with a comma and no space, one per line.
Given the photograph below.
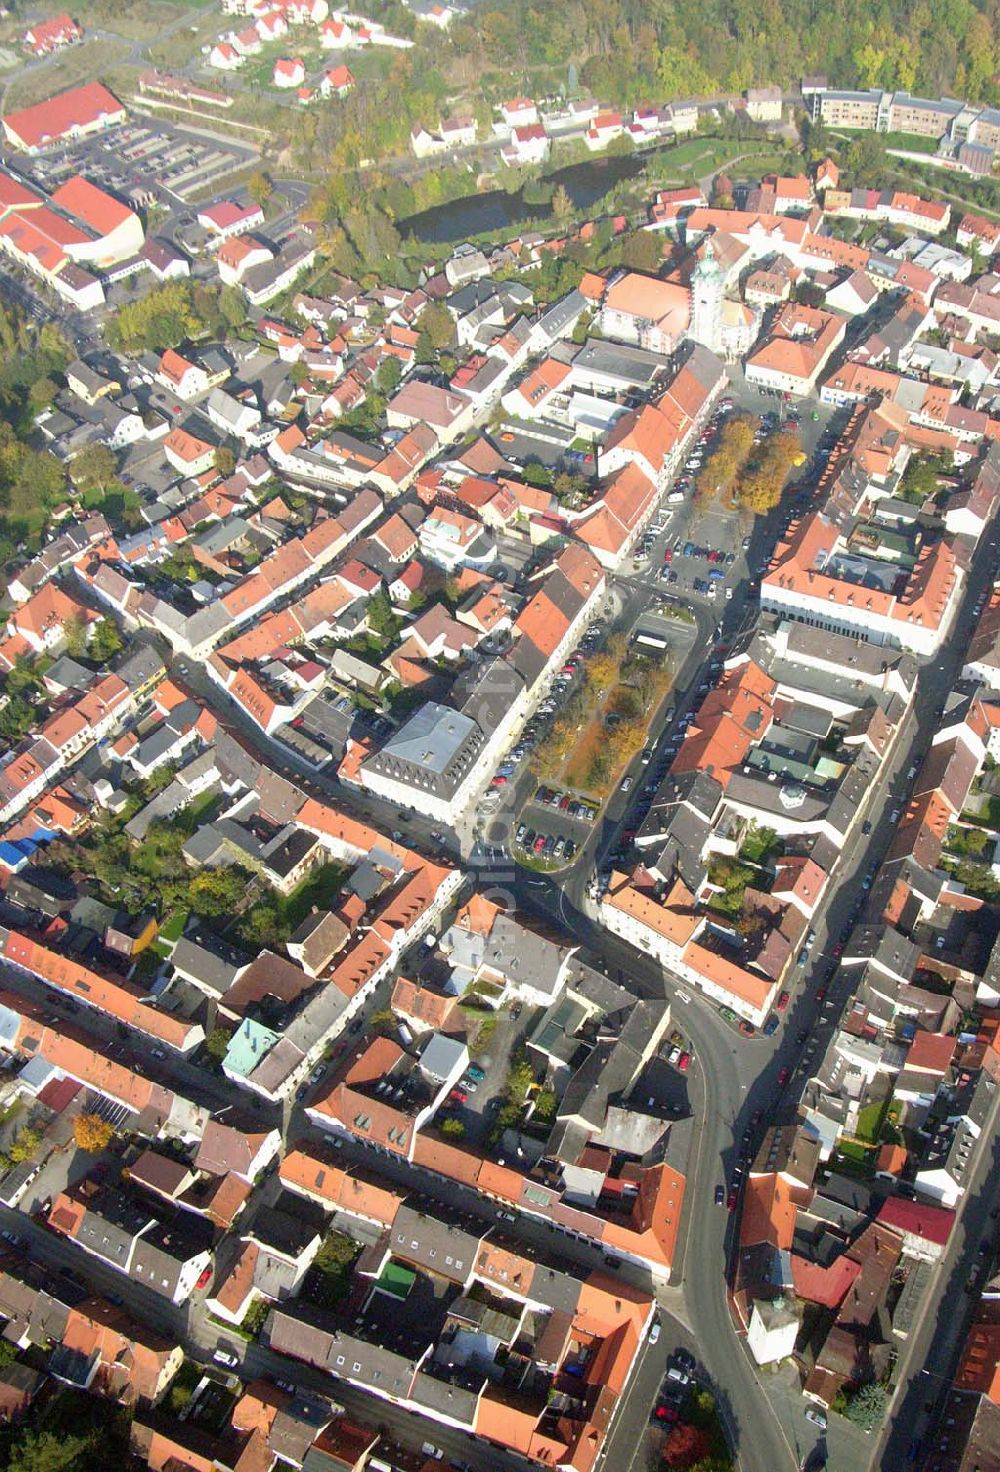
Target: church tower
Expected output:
[706,301]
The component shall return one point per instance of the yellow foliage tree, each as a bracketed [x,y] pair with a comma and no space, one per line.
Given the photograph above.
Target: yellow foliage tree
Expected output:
[92,1133]
[602,672]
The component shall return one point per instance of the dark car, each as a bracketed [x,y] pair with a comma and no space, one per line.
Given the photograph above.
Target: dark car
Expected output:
[720,1195]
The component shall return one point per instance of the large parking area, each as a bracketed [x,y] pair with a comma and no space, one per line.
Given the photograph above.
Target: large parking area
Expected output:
[165,164]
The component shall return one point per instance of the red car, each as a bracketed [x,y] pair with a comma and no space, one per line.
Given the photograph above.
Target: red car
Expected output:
[204,1278]
[684,1062]
[668,555]
[667,1413]
[838,949]
[747,1028]
[782,1001]
[539,843]
[820,993]
[732,1199]
[459,1096]
[783,1077]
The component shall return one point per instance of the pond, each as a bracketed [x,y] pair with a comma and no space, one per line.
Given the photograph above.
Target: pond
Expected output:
[475,214]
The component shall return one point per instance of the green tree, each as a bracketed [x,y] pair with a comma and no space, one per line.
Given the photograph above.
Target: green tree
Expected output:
[49,1451]
[105,640]
[867,1407]
[436,322]
[217,892]
[381,619]
[163,318]
[454,1129]
[642,251]
[388,376]
[562,205]
[865,160]
[232,306]
[94,469]
[217,1043]
[25,1147]
[75,635]
[225,460]
[42,392]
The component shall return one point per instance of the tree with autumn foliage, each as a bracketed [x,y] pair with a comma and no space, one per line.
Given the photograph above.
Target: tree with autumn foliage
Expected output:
[762,481]
[602,672]
[686,1446]
[92,1133]
[719,474]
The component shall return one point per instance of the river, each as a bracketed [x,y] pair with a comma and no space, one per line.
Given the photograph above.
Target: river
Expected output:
[474,214]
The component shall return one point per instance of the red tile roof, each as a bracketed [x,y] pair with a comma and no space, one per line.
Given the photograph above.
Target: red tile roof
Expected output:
[918,1219]
[47,121]
[83,200]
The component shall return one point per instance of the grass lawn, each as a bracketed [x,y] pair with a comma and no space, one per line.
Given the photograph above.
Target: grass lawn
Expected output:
[852,1158]
[318,890]
[912,142]
[173,927]
[184,45]
[77,64]
[143,21]
[258,71]
[870,1121]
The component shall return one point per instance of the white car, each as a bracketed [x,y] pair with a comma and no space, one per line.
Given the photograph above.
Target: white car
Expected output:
[226,1357]
[654,1332]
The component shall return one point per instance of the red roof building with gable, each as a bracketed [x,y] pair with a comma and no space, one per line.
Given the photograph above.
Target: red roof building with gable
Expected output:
[72,114]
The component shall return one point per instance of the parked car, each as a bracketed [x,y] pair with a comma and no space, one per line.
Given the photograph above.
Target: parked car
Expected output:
[783,1002]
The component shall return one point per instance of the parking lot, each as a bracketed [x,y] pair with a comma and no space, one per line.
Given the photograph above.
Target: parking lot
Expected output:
[478,1096]
[147,161]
